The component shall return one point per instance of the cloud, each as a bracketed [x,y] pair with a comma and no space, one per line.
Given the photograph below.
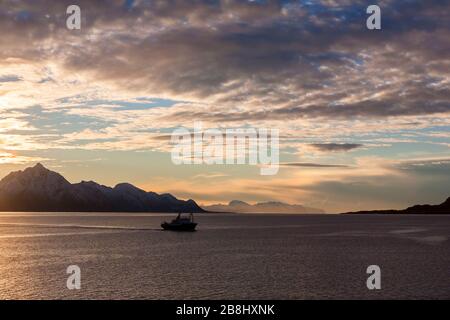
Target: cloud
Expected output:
[10,78]
[312,165]
[303,60]
[336,147]
[9,158]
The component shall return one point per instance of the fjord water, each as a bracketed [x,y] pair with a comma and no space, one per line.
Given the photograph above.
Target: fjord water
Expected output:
[126,256]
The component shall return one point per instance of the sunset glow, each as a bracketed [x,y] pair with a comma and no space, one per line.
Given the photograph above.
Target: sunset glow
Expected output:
[358,111]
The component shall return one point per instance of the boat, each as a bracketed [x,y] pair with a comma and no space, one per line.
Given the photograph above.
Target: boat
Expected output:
[180,223]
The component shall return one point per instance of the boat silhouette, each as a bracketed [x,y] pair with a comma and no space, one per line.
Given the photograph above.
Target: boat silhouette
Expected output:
[180,223]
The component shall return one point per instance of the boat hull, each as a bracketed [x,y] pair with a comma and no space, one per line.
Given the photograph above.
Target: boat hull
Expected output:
[179,227]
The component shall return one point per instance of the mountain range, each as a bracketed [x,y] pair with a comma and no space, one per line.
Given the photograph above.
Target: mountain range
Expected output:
[443,208]
[39,189]
[237,206]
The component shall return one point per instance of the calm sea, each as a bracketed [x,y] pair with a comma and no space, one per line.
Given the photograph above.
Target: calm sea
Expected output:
[126,256]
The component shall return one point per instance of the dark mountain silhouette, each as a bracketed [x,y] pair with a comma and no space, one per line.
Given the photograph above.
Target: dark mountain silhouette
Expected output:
[443,208]
[237,206]
[39,189]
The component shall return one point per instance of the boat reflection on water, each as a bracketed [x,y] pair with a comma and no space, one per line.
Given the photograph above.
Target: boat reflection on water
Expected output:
[180,223]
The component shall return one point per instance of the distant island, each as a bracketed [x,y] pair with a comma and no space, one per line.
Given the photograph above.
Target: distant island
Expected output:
[39,189]
[443,208]
[237,206]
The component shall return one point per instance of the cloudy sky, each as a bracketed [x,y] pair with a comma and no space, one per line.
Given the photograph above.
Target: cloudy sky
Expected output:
[363,115]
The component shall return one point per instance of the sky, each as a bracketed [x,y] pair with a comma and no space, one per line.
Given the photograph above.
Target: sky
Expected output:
[363,115]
